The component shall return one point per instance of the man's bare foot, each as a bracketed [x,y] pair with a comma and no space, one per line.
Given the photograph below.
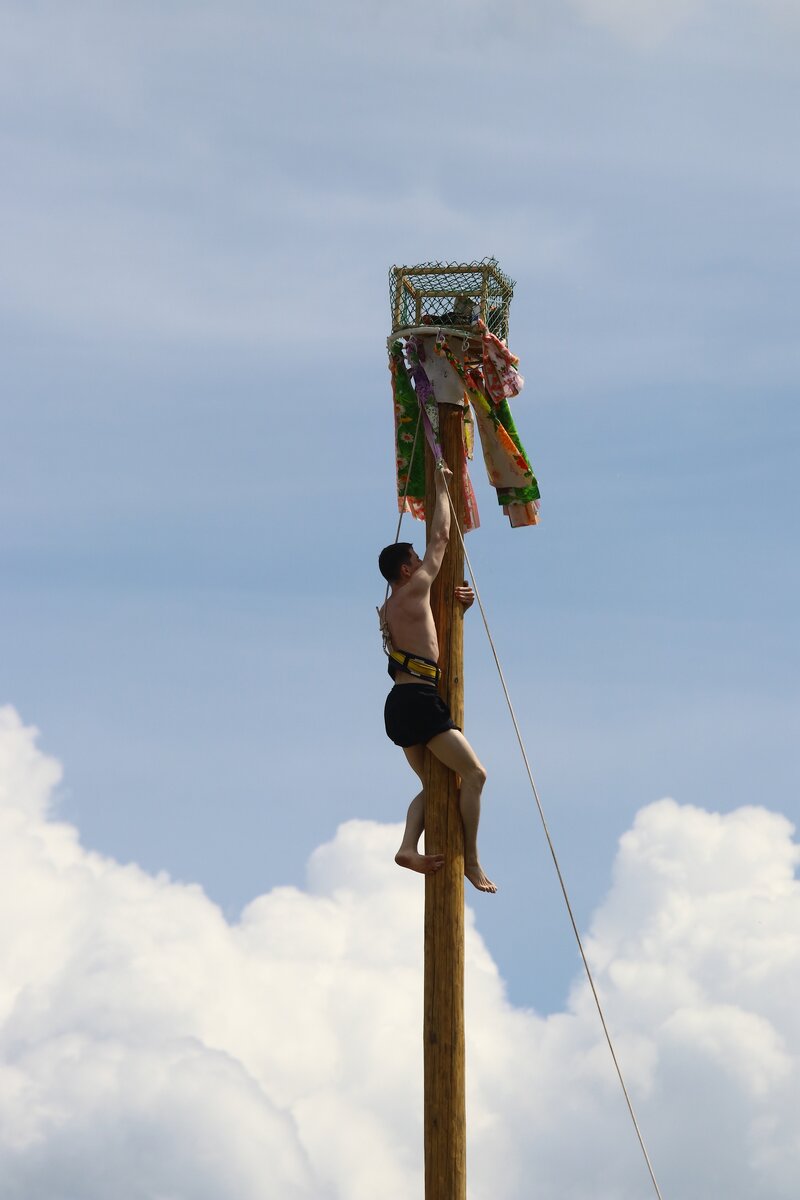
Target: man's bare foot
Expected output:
[474,873]
[426,864]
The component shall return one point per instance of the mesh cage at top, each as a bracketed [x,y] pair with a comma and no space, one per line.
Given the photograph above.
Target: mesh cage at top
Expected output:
[454,294]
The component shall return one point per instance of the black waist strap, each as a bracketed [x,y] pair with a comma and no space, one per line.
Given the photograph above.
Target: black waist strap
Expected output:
[413,664]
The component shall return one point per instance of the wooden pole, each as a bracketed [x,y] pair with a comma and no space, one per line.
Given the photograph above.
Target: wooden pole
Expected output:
[443,1029]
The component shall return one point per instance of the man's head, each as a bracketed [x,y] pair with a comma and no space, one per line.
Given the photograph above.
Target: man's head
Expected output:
[392,560]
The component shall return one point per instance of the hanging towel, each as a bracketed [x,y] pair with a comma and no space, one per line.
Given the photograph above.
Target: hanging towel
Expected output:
[406,415]
[507,464]
[421,380]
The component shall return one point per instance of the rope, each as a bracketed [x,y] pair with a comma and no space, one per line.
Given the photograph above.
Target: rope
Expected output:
[552,850]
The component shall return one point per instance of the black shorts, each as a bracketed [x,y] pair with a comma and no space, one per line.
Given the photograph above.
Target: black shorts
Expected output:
[414,713]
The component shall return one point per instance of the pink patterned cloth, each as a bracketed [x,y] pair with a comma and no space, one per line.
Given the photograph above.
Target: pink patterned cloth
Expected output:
[507,464]
[500,373]
[471,516]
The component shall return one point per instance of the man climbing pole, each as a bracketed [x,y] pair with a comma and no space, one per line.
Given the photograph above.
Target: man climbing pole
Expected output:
[415,714]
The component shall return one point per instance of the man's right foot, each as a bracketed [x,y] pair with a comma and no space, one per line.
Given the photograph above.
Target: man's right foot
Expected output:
[474,873]
[426,864]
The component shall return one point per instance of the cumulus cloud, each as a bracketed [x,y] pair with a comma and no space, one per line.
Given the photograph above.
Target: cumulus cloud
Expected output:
[148,1048]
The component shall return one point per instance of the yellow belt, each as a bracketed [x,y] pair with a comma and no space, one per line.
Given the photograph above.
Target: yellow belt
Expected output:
[416,666]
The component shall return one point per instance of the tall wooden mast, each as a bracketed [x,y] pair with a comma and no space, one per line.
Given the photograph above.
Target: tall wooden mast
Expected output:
[443,1028]
[445,298]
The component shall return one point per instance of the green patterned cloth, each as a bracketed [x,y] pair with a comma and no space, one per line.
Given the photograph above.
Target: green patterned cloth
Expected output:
[407,425]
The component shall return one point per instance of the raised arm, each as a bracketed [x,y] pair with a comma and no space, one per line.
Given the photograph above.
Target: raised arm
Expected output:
[439,533]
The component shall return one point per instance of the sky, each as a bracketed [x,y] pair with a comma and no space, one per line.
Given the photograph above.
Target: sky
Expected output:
[199,209]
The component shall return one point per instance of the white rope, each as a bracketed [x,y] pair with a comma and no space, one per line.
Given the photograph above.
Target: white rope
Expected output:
[552,849]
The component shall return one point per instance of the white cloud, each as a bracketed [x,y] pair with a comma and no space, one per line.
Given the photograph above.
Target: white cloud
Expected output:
[150,1049]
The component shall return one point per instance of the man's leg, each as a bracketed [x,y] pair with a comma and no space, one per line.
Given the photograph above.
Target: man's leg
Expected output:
[408,855]
[453,749]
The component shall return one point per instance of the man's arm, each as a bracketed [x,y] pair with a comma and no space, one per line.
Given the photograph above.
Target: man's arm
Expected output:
[440,530]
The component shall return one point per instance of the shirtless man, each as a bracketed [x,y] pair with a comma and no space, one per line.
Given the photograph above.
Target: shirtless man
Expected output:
[415,714]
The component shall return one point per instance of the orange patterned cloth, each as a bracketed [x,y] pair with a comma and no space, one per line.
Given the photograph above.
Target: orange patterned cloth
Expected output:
[500,367]
[507,464]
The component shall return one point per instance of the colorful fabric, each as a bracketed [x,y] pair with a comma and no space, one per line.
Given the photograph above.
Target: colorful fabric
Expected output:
[446,387]
[472,518]
[409,459]
[500,373]
[507,464]
[488,385]
[415,355]
[469,433]
[445,381]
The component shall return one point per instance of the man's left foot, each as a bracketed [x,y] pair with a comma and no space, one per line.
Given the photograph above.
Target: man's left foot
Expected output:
[426,864]
[474,873]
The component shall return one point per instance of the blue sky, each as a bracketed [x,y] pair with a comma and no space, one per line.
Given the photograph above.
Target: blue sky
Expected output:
[200,207]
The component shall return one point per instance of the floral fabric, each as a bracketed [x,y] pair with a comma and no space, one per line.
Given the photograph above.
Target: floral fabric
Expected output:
[500,373]
[409,459]
[488,386]
[507,464]
[415,355]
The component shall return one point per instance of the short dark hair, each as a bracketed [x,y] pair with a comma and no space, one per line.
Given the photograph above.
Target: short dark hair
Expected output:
[392,558]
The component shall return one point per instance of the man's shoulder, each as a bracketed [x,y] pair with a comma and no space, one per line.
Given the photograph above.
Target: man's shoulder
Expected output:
[414,595]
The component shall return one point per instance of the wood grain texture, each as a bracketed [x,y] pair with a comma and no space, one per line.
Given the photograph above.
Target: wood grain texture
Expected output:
[443,1028]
